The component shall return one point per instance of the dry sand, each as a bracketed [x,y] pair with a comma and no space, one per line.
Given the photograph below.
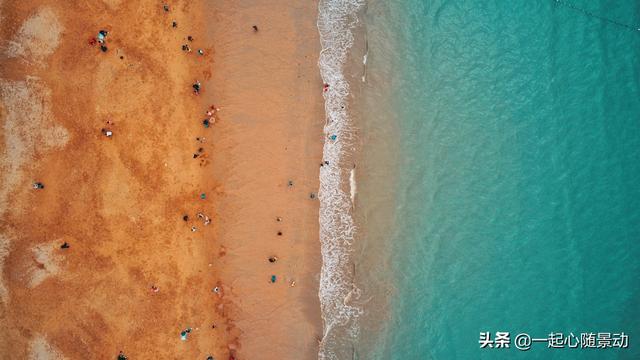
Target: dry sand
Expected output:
[119,202]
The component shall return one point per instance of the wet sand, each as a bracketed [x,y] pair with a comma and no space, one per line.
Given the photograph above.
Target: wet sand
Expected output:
[269,88]
[119,202]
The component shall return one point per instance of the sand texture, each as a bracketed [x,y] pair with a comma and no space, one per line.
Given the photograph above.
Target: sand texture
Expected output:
[136,272]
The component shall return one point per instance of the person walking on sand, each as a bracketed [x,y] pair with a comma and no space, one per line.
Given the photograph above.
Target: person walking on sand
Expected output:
[106,132]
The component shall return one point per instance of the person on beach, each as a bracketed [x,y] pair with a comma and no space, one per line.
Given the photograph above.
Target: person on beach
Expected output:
[121,356]
[65,245]
[38,185]
[218,291]
[273,259]
[102,38]
[184,333]
[102,35]
[211,113]
[255,28]
[205,219]
[196,87]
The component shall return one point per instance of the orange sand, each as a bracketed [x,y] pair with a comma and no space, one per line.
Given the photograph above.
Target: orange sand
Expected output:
[119,201]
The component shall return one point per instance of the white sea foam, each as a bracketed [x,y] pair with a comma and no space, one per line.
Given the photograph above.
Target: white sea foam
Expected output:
[336,20]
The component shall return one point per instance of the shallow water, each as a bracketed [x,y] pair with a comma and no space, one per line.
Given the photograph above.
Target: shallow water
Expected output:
[516,199]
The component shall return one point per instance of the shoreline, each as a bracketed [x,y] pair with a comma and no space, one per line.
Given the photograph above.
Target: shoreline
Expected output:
[362,109]
[339,232]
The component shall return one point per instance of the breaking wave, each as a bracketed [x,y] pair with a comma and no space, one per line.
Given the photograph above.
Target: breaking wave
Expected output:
[336,22]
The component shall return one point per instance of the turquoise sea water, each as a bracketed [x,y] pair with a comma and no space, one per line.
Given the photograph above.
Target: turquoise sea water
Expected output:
[518,192]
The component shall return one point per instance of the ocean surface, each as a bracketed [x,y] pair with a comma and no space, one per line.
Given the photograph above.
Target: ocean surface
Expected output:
[511,137]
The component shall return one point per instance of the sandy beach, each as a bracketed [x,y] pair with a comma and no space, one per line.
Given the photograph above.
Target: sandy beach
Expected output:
[153,224]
